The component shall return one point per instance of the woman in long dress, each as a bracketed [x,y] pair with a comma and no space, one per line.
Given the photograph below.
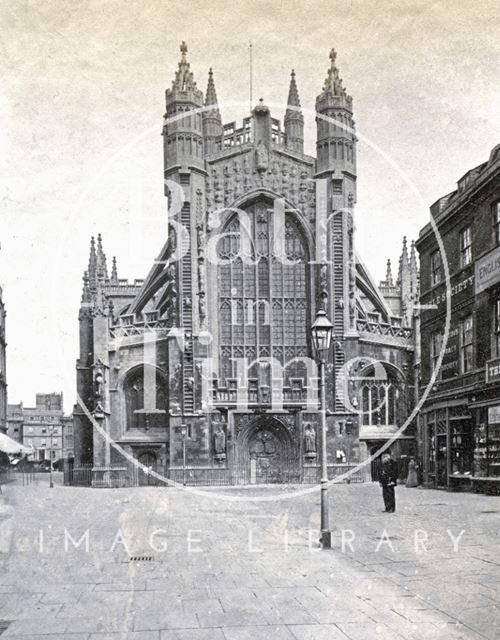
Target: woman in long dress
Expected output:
[412,479]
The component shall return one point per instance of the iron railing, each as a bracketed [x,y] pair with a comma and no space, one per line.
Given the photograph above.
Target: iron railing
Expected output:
[131,475]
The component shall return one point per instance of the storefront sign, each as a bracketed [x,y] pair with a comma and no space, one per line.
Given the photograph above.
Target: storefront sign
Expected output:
[493,370]
[449,366]
[494,414]
[488,270]
[455,289]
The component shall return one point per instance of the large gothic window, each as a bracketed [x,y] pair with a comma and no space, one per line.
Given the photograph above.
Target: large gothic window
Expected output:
[262,297]
[145,399]
[382,397]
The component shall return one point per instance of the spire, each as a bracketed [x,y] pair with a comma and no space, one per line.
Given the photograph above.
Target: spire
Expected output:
[101,268]
[184,80]
[92,259]
[293,94]
[388,275]
[414,275]
[333,86]
[413,257]
[294,120]
[114,272]
[404,255]
[211,95]
[212,121]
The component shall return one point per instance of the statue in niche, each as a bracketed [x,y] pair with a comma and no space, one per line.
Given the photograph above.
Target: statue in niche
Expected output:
[220,443]
[261,157]
[309,441]
[237,179]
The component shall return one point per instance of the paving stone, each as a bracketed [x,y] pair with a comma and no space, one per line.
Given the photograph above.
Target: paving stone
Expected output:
[258,633]
[228,592]
[356,631]
[168,620]
[317,632]
[192,634]
[131,635]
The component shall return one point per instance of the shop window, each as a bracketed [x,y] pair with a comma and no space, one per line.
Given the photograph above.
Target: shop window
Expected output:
[462,446]
[496,328]
[466,345]
[465,247]
[436,267]
[496,221]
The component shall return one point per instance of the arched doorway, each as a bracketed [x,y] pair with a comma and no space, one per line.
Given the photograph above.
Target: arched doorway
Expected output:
[266,453]
[150,461]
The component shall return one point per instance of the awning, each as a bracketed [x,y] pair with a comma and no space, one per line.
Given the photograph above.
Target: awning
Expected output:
[10,446]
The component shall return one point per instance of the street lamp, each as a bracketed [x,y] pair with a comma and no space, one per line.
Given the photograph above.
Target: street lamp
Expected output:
[51,479]
[321,334]
[184,436]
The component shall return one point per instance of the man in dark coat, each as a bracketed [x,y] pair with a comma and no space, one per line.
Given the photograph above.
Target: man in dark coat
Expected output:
[388,480]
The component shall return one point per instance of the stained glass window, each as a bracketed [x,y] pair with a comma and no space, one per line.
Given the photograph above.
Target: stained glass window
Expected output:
[268,294]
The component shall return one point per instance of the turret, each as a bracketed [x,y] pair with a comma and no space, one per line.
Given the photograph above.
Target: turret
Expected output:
[183,134]
[414,275]
[336,140]
[114,272]
[294,120]
[388,275]
[212,121]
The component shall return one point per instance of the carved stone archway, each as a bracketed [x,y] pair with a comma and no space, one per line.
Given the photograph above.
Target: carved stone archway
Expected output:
[267,453]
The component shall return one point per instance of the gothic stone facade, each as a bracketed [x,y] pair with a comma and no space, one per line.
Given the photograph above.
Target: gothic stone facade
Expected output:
[215,342]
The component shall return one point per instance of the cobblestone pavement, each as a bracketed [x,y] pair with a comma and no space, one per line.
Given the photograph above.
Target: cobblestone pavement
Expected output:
[168,564]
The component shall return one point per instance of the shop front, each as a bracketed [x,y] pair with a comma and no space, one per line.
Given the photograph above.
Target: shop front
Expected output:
[462,441]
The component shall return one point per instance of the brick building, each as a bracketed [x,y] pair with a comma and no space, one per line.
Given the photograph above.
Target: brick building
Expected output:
[214,345]
[460,420]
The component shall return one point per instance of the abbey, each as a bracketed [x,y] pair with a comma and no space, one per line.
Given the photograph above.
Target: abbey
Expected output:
[203,371]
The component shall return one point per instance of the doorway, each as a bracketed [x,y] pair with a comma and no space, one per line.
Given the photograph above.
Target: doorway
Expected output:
[441,461]
[150,461]
[266,453]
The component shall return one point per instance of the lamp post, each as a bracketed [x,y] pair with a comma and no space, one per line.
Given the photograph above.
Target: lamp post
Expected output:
[51,479]
[184,436]
[321,333]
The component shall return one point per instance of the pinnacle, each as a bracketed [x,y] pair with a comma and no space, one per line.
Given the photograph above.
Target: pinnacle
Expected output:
[184,80]
[293,94]
[211,95]
[388,276]
[333,84]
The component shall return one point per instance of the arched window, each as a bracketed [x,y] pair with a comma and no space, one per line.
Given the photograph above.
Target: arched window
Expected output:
[145,398]
[382,396]
[262,298]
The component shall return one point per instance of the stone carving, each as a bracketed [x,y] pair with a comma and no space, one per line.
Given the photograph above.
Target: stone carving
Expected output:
[220,443]
[233,178]
[309,441]
[175,384]
[261,157]
[323,286]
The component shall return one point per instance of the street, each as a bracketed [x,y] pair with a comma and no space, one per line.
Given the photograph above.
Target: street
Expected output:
[172,564]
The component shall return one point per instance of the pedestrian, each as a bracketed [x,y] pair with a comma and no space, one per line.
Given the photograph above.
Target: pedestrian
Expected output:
[388,480]
[412,479]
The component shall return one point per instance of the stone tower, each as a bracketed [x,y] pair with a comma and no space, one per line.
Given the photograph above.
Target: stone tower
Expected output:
[260,237]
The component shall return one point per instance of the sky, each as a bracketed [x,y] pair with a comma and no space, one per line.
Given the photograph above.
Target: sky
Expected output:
[81,106]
